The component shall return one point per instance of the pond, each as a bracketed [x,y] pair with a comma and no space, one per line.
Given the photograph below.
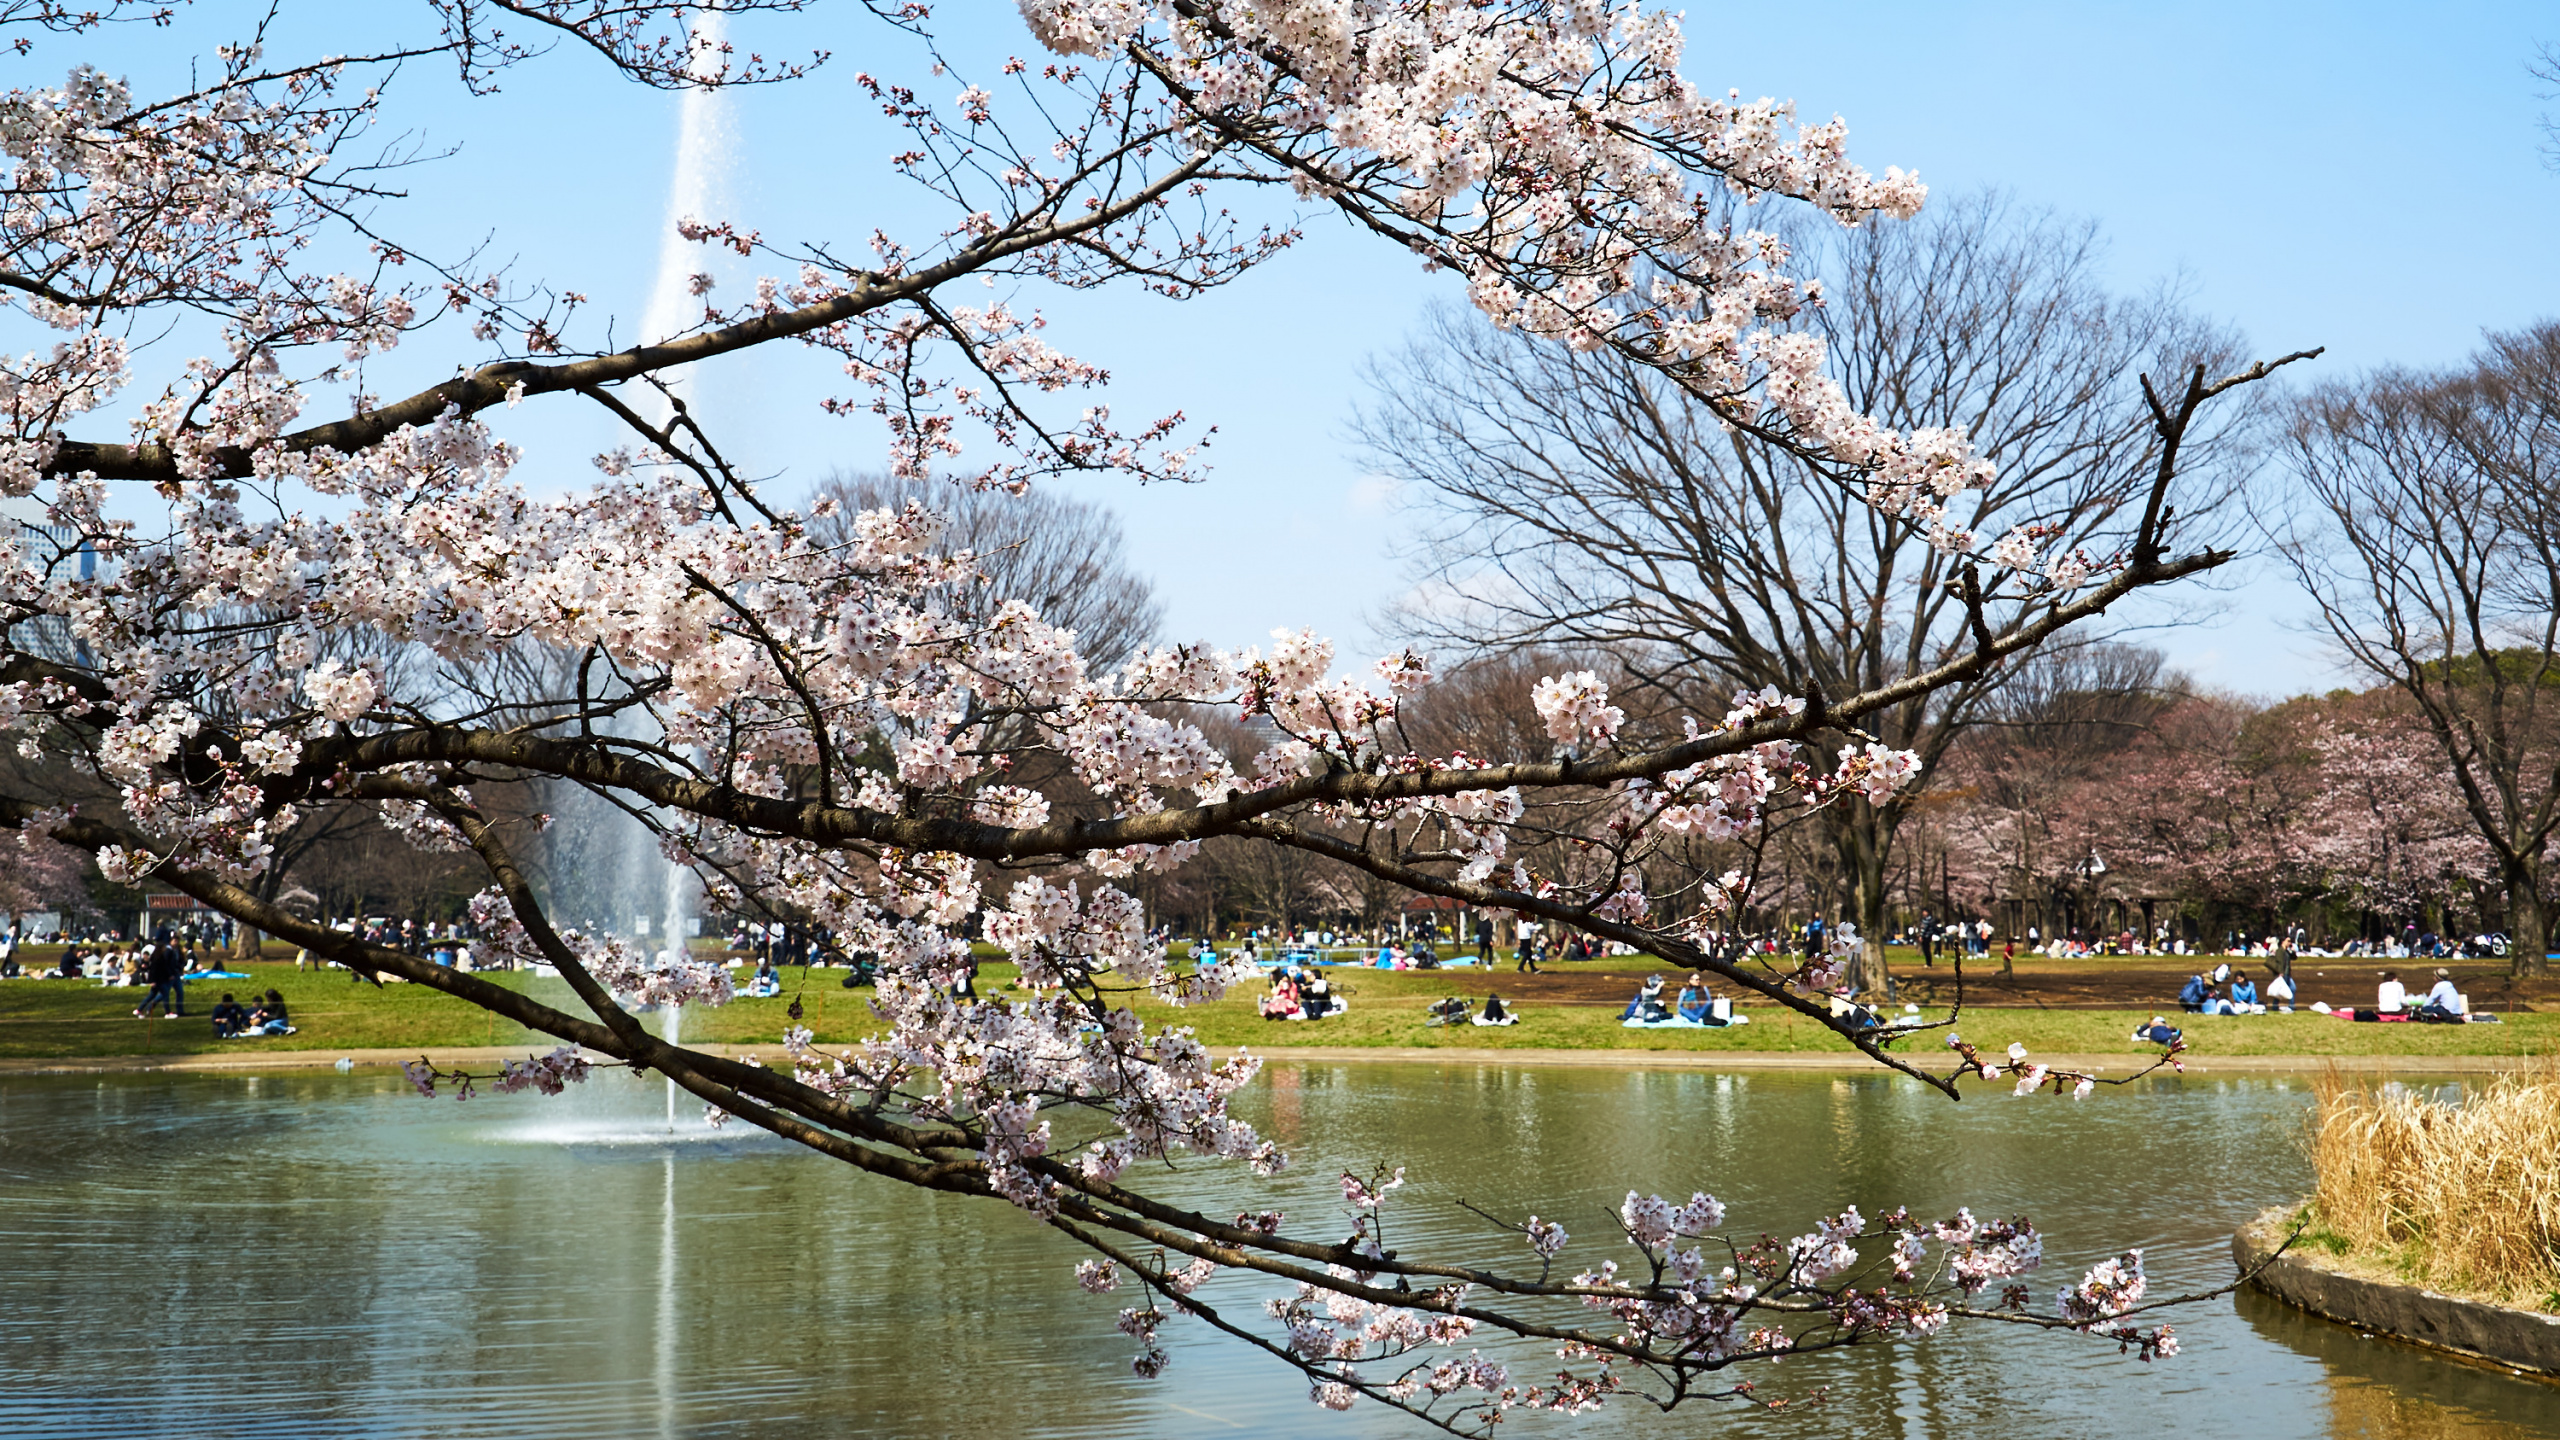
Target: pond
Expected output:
[314,1254]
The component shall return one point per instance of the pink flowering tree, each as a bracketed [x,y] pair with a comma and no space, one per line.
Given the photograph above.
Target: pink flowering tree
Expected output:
[329,579]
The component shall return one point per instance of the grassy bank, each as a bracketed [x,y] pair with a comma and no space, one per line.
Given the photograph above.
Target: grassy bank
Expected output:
[2462,1198]
[53,1019]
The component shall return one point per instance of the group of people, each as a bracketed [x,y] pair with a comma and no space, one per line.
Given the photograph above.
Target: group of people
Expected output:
[1458,1010]
[1934,937]
[1694,1004]
[2224,991]
[116,963]
[2442,1004]
[265,1015]
[72,964]
[1300,995]
[1392,956]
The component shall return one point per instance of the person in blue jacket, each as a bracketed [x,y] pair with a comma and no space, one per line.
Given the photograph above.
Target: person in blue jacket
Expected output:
[2194,995]
[1696,1001]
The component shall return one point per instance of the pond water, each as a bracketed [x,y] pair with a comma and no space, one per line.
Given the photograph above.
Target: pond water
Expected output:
[315,1254]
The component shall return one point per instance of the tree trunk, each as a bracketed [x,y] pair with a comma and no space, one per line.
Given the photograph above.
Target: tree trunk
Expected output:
[2528,924]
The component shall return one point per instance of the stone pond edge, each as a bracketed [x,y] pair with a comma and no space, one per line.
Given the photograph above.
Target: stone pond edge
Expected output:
[2473,1329]
[1737,1061]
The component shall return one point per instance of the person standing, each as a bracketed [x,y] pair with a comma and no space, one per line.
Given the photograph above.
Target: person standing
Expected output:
[1528,952]
[1928,939]
[1484,941]
[167,987]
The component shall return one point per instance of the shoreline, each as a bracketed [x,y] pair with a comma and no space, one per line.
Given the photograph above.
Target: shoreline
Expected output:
[1738,1061]
[2484,1332]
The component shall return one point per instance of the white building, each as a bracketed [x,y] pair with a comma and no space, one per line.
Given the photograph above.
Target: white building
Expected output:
[50,549]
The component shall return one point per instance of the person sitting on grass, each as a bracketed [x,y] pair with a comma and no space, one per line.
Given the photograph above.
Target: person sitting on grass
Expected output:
[1447,1012]
[1845,1006]
[229,1017]
[1696,1002]
[2244,997]
[2158,1032]
[269,1018]
[2390,997]
[1648,1002]
[2444,1003]
[1318,999]
[2196,994]
[1496,1013]
[1282,1003]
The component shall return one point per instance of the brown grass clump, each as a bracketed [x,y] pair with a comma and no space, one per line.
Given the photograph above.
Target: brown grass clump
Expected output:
[2461,1197]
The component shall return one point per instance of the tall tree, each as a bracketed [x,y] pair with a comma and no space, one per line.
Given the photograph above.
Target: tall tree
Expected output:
[1583,499]
[2426,528]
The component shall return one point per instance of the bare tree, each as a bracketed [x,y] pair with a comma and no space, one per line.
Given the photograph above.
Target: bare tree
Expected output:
[1064,557]
[2546,68]
[2063,716]
[1581,501]
[2427,530]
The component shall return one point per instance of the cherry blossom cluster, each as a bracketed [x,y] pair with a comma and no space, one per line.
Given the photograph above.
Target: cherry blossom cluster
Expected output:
[2110,1289]
[648,979]
[549,1074]
[996,1067]
[1683,1306]
[2034,1075]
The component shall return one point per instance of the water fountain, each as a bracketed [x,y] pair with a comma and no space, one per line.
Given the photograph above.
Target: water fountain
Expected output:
[679,885]
[606,871]
[706,156]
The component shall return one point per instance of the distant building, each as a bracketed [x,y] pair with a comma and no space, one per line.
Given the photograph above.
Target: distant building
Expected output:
[47,549]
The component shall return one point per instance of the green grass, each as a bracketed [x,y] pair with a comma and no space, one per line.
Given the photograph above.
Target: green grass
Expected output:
[54,1019]
[1387,1009]
[60,1019]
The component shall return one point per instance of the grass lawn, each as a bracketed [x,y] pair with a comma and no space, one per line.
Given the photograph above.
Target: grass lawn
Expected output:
[58,1019]
[53,1019]
[1387,1009]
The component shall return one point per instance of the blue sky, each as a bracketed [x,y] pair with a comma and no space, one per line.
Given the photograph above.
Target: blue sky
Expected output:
[2363,177]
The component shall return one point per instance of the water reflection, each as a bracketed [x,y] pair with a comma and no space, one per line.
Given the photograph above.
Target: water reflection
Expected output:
[316,1254]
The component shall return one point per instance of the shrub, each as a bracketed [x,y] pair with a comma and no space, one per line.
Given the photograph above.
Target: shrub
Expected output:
[2463,1195]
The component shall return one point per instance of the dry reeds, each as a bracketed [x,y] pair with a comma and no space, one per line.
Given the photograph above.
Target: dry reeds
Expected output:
[2462,1196]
